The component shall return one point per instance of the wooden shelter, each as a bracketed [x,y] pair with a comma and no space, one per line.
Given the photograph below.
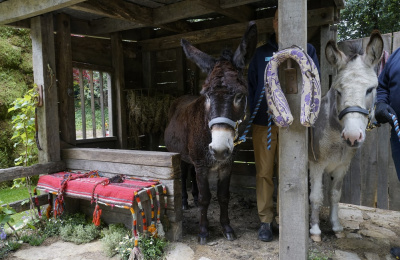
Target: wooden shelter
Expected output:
[136,43]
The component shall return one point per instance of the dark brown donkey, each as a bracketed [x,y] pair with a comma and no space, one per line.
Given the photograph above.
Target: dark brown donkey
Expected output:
[202,129]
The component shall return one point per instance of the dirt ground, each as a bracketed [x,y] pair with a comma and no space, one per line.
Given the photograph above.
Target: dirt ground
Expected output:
[369,235]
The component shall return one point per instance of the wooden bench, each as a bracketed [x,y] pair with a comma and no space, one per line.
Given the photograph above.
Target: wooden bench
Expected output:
[162,166]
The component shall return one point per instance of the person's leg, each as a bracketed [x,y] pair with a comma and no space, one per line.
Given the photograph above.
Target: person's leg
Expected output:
[264,160]
[395,145]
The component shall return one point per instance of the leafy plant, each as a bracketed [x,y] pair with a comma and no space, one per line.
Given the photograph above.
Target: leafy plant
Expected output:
[24,128]
[151,247]
[111,237]
[79,234]
[6,218]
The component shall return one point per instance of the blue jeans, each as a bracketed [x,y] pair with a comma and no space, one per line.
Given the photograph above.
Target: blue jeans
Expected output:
[395,144]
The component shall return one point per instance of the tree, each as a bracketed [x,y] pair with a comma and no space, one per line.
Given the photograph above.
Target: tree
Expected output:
[360,17]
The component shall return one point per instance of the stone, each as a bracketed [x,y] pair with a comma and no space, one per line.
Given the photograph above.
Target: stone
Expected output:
[340,255]
[179,251]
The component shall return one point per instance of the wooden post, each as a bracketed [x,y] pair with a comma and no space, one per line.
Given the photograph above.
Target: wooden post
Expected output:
[65,80]
[119,86]
[44,72]
[293,146]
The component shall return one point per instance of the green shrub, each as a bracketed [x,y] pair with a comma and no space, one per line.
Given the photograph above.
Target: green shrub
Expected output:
[111,237]
[79,234]
[152,248]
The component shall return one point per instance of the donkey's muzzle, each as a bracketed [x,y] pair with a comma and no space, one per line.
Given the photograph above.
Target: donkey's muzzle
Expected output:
[220,155]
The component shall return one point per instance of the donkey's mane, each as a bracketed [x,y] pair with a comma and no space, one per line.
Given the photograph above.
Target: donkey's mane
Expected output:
[355,50]
[226,54]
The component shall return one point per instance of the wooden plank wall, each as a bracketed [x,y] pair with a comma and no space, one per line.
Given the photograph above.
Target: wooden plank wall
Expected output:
[163,166]
[372,179]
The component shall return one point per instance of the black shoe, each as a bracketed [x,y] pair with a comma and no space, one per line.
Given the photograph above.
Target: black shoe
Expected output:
[395,251]
[265,232]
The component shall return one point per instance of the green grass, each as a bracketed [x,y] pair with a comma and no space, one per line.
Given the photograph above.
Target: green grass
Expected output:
[88,113]
[8,195]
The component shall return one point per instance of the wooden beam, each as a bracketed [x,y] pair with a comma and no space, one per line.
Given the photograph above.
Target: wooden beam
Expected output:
[117,9]
[21,205]
[44,73]
[240,14]
[37,169]
[293,146]
[15,10]
[65,80]
[316,17]
[119,102]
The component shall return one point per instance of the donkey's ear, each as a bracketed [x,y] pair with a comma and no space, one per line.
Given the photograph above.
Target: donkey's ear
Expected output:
[203,60]
[334,56]
[245,50]
[374,49]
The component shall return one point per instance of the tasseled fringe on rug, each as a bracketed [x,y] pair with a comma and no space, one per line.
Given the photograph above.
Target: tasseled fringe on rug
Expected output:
[50,207]
[136,254]
[96,215]
[160,230]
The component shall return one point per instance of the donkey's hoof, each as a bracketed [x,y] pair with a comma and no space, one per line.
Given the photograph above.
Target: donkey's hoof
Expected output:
[202,240]
[229,235]
[340,234]
[316,238]
[185,206]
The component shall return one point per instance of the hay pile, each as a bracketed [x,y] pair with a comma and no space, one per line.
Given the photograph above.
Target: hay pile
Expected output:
[148,114]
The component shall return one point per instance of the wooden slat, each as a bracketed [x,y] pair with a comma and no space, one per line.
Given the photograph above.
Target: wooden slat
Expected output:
[65,80]
[383,146]
[21,205]
[327,71]
[103,129]
[241,14]
[93,110]
[83,110]
[121,168]
[91,51]
[44,72]
[15,10]
[170,65]
[170,76]
[161,159]
[19,172]
[369,176]
[110,106]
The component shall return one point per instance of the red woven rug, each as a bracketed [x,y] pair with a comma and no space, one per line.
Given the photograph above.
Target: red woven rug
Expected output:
[121,194]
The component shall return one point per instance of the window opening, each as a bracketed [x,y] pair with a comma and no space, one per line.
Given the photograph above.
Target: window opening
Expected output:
[92,104]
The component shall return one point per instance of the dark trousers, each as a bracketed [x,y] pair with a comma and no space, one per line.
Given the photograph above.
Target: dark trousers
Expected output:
[395,144]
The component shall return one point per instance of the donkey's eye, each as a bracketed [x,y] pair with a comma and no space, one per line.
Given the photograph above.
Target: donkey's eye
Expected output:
[369,91]
[238,98]
[338,93]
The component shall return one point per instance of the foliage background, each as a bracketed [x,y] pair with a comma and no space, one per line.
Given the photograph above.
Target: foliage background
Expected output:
[361,17]
[16,77]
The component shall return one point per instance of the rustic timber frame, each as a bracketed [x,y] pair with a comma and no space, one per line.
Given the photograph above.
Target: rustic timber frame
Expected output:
[126,37]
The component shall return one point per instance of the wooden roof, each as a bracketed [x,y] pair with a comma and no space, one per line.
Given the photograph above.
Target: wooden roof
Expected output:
[159,24]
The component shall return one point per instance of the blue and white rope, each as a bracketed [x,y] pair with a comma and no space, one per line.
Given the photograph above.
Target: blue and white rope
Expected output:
[395,125]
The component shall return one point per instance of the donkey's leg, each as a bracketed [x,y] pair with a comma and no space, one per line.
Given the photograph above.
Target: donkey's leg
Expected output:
[223,199]
[204,201]
[336,193]
[184,174]
[316,199]
[195,189]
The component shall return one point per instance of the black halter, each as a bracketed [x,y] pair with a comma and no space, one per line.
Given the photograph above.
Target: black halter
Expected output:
[353,109]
